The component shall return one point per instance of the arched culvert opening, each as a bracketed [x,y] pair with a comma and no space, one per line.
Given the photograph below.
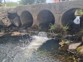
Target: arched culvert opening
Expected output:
[68,18]
[15,19]
[45,18]
[26,19]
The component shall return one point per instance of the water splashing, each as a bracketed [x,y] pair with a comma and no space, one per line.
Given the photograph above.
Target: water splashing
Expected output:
[36,42]
[30,50]
[42,34]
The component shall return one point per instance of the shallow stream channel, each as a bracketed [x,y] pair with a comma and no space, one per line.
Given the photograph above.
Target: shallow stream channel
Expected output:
[36,48]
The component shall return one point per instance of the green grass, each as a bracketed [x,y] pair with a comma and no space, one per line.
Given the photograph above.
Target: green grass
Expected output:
[10,4]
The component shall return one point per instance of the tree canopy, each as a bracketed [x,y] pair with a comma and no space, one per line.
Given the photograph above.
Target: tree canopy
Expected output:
[25,2]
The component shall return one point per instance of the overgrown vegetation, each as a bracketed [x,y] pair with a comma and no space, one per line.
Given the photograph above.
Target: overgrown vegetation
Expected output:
[58,29]
[11,4]
[64,43]
[79,12]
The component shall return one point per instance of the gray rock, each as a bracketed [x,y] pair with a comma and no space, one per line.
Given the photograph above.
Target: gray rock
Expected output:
[73,46]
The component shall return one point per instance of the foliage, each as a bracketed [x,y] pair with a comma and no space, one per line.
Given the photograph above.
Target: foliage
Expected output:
[79,12]
[57,29]
[65,28]
[67,57]
[25,2]
[40,1]
[11,4]
[52,27]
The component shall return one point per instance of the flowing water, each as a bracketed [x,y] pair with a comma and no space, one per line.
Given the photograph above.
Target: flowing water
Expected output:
[25,50]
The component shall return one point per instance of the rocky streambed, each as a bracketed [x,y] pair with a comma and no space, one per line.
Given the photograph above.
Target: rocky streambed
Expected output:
[13,49]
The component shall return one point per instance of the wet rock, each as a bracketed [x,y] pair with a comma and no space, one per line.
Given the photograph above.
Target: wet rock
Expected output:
[51,45]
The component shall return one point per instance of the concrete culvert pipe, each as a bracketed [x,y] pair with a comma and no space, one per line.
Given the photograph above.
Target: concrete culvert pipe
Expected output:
[15,19]
[68,20]
[45,18]
[26,19]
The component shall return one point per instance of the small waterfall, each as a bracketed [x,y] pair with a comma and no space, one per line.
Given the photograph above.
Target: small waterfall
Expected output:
[77,20]
[29,52]
[36,42]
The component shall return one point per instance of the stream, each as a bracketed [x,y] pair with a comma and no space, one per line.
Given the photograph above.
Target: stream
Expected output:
[27,49]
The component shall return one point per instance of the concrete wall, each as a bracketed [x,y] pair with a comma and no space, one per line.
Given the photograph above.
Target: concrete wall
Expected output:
[57,9]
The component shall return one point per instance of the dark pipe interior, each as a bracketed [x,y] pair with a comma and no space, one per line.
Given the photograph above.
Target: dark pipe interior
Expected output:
[81,22]
[12,15]
[1,25]
[26,19]
[45,18]
[15,19]
[67,19]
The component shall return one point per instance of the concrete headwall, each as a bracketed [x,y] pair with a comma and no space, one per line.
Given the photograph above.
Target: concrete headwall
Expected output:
[35,14]
[57,9]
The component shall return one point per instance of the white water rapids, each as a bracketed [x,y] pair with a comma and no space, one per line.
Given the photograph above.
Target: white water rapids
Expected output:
[28,53]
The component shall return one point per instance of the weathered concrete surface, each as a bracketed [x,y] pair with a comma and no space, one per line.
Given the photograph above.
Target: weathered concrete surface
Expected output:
[32,17]
[57,9]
